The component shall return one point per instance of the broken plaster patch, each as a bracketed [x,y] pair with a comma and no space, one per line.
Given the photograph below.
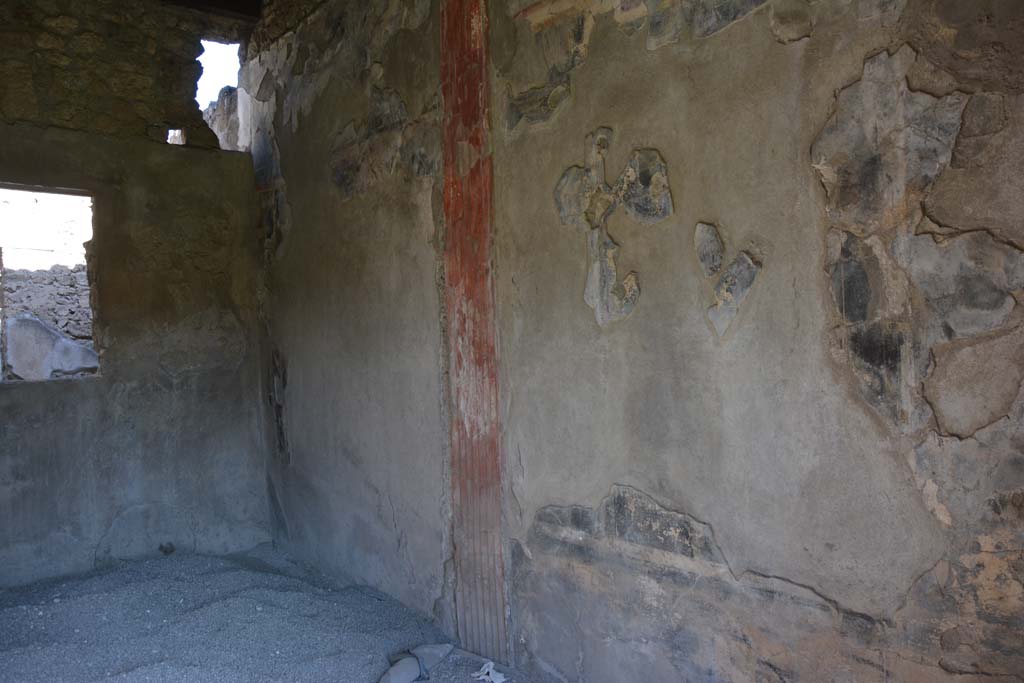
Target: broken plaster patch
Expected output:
[731,289]
[708,245]
[584,199]
[878,157]
[984,187]
[790,20]
[387,142]
[572,21]
[733,283]
[884,146]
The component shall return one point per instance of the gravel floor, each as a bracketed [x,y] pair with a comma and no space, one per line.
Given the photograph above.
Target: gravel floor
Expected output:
[254,617]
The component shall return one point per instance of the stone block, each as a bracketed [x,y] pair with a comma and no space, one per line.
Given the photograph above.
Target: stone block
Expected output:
[36,351]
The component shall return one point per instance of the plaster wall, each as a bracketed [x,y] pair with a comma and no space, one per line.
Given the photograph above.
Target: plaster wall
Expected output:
[758,267]
[340,114]
[758,270]
[165,451]
[715,479]
[165,448]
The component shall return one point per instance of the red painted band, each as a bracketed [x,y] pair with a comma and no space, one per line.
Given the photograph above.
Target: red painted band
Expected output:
[469,297]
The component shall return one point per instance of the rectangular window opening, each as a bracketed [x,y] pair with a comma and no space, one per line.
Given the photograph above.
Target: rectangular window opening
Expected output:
[46,313]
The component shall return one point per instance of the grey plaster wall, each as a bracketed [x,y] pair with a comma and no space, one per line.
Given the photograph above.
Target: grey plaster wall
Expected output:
[340,115]
[166,447]
[721,473]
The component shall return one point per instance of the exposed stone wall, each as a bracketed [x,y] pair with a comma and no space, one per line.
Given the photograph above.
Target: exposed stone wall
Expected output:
[280,17]
[58,296]
[120,68]
[222,118]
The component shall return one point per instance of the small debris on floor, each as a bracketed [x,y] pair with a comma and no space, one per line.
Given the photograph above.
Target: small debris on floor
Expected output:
[415,665]
[487,674]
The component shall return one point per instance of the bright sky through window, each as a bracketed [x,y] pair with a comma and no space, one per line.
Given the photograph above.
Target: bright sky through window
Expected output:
[43,229]
[220,68]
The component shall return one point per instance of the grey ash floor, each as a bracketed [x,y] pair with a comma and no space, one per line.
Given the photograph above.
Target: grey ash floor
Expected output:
[201,619]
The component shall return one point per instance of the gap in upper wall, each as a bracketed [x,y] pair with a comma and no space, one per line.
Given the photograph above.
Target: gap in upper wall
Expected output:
[220,70]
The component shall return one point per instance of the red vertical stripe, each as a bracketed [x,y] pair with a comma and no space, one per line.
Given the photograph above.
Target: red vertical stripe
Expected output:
[469,296]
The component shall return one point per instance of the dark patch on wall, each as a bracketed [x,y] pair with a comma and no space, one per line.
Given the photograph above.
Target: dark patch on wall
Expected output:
[857,281]
[711,16]
[980,43]
[277,18]
[644,187]
[574,517]
[276,511]
[860,628]
[875,353]
[552,24]
[767,672]
[877,159]
[546,535]
[859,186]
[966,282]
[278,385]
[984,114]
[387,111]
[878,346]
[1008,504]
[851,287]
[539,104]
[731,289]
[386,143]
[707,242]
[626,514]
[636,518]
[976,291]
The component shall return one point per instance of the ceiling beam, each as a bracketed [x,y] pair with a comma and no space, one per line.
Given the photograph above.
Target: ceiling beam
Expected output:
[248,9]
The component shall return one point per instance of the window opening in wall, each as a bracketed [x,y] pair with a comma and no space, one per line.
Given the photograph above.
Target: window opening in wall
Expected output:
[45,305]
[175,136]
[220,70]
